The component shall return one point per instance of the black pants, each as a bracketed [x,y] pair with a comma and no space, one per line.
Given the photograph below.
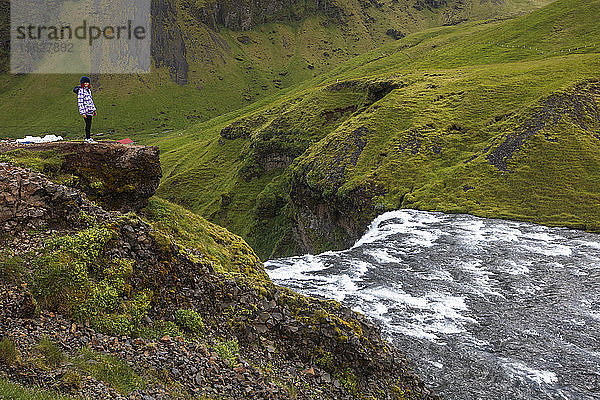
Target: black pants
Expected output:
[88,125]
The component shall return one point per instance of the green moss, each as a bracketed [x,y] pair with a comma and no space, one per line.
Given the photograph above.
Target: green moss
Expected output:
[97,185]
[400,392]
[347,378]
[228,253]
[75,277]
[227,349]
[325,360]
[87,246]
[48,162]
[189,321]
[321,313]
[11,267]
[108,313]
[236,316]
[60,284]
[70,381]
[160,328]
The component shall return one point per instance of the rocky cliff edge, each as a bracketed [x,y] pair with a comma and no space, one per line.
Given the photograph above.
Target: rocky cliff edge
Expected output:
[173,305]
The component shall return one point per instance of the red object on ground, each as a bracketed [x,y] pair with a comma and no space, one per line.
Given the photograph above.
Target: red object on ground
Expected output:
[125,141]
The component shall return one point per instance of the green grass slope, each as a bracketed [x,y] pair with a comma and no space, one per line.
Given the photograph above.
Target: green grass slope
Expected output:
[226,69]
[496,118]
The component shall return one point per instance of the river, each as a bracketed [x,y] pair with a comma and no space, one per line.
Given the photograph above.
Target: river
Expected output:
[484,308]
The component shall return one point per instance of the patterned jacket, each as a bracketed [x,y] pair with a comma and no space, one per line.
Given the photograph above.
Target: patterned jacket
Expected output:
[85,102]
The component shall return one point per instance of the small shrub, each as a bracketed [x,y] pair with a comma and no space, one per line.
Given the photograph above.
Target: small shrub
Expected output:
[52,355]
[60,282]
[109,314]
[161,328]
[11,267]
[9,354]
[228,350]
[70,380]
[189,321]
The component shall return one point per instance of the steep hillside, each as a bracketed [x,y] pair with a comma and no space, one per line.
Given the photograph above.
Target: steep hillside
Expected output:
[497,118]
[213,57]
[162,304]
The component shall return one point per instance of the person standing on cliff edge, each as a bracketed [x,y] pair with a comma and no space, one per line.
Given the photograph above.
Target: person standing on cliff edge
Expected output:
[86,106]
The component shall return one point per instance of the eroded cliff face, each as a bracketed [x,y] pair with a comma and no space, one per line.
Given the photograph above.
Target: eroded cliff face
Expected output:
[241,15]
[175,46]
[324,217]
[168,46]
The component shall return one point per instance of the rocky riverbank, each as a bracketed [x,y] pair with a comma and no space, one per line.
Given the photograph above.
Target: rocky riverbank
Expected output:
[163,304]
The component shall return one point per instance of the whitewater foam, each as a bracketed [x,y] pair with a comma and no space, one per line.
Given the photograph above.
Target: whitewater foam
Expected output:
[522,371]
[464,295]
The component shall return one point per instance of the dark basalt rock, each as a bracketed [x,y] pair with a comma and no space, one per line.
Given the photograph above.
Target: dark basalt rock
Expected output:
[241,15]
[29,198]
[579,106]
[117,176]
[396,34]
[168,47]
[321,215]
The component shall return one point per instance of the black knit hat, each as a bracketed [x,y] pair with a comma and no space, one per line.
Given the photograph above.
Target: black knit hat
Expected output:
[84,79]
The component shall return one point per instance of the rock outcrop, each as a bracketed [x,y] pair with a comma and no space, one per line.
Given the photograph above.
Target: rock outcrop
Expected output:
[28,198]
[118,177]
[168,47]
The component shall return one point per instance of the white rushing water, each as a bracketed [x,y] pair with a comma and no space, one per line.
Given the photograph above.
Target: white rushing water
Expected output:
[486,309]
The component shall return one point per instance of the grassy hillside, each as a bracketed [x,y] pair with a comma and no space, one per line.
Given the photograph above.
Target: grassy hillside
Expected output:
[226,69]
[496,118]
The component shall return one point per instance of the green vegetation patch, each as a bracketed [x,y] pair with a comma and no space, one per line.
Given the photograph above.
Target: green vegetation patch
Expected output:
[9,353]
[228,252]
[48,162]
[75,277]
[227,349]
[52,356]
[14,391]
[189,321]
[11,267]
[160,328]
[109,369]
